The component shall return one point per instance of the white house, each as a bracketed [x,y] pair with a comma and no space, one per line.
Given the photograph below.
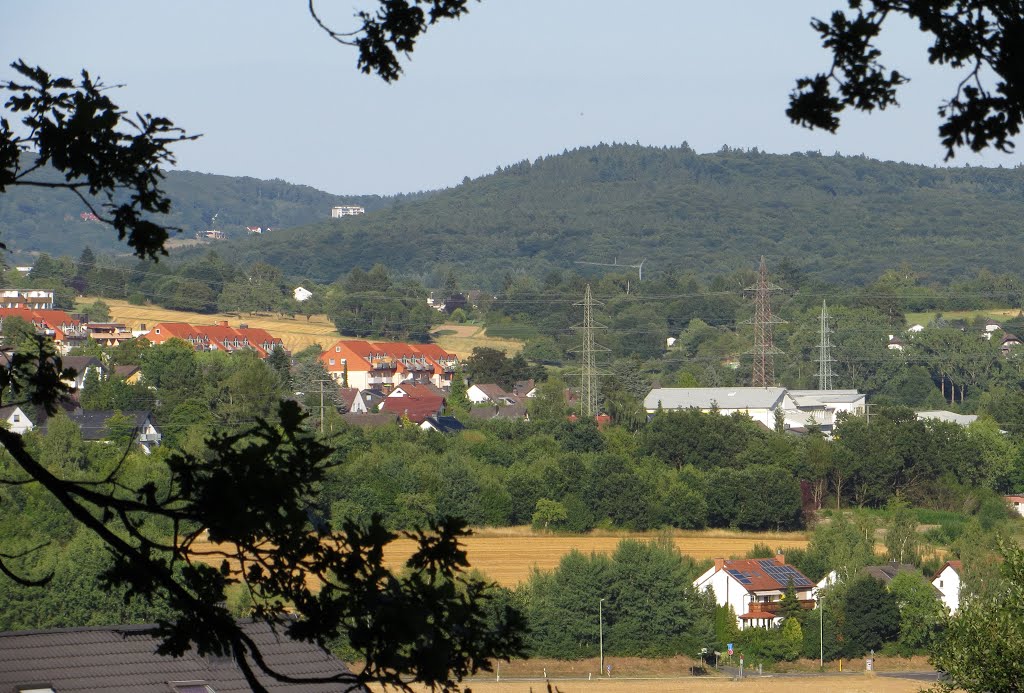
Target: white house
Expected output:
[824,406]
[15,419]
[346,211]
[489,392]
[302,294]
[947,582]
[753,587]
[1017,503]
[36,299]
[799,407]
[914,329]
[82,366]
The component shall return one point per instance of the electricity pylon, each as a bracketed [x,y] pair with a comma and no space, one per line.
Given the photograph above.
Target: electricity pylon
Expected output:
[589,372]
[825,360]
[763,369]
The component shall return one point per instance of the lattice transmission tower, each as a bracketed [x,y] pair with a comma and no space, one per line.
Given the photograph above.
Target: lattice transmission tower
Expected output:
[589,373]
[825,360]
[764,351]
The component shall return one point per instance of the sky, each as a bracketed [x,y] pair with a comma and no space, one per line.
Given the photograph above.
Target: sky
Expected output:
[275,97]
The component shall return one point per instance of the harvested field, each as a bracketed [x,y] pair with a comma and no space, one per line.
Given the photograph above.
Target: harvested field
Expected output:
[507,556]
[462,338]
[297,333]
[508,560]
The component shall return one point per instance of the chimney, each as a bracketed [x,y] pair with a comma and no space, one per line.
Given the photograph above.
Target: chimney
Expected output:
[223,323]
[243,326]
[780,557]
[719,564]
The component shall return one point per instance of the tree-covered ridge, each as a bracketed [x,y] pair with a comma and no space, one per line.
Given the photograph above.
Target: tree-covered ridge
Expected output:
[847,218]
[43,220]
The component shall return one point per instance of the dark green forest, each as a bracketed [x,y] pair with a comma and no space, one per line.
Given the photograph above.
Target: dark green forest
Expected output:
[41,220]
[847,218]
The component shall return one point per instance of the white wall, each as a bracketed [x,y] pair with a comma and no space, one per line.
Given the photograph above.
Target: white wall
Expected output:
[948,583]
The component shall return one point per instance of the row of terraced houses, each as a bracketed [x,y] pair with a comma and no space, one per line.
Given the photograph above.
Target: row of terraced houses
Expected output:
[363,365]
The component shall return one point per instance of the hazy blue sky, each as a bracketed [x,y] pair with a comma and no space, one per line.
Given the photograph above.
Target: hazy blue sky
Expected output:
[275,98]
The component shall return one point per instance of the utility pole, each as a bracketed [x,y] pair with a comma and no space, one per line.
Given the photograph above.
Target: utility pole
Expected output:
[763,369]
[639,267]
[825,359]
[322,404]
[589,373]
[600,631]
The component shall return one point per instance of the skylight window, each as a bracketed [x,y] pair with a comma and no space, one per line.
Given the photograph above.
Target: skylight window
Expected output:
[191,687]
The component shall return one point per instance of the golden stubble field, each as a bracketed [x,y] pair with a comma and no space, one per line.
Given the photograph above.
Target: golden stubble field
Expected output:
[508,555]
[297,333]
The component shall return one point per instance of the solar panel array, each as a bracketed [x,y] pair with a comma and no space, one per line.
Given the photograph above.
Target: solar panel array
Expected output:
[783,574]
[742,577]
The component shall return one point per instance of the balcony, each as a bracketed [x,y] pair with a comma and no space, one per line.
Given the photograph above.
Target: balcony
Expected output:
[776,607]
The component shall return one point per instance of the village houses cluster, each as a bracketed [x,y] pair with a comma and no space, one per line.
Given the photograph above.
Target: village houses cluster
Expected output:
[379,383]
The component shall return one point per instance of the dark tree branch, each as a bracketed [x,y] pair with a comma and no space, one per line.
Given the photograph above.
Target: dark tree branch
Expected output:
[392,29]
[985,35]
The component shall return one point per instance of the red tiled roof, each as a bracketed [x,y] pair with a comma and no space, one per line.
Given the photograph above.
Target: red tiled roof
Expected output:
[957,567]
[221,336]
[362,355]
[757,614]
[418,409]
[757,574]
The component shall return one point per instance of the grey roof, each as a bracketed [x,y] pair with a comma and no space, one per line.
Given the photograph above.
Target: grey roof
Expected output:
[121,659]
[493,391]
[80,363]
[126,371]
[93,424]
[822,397]
[444,424]
[948,417]
[888,571]
[706,397]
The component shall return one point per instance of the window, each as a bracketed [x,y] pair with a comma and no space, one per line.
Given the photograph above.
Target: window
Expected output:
[337,349]
[48,689]
[157,330]
[17,418]
[191,687]
[332,361]
[940,584]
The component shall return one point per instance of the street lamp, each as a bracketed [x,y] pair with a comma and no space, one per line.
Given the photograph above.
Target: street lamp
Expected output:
[821,630]
[600,631]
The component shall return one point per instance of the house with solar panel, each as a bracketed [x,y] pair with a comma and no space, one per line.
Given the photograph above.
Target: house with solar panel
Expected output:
[753,587]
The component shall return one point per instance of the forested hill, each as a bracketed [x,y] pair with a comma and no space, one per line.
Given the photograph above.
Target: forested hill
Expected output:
[844,219]
[42,220]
